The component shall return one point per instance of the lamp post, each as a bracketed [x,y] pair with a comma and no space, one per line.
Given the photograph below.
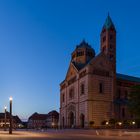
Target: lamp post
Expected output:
[5,118]
[10,128]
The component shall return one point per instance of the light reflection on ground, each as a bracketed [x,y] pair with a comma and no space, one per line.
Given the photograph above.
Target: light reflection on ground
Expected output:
[72,135]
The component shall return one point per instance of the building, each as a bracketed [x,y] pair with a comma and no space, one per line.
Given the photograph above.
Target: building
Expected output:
[52,119]
[5,119]
[92,91]
[38,121]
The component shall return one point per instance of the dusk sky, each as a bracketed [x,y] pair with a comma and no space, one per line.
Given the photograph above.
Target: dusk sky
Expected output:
[37,38]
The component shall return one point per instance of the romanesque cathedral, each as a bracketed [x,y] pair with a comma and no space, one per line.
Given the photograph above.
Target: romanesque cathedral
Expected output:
[92,90]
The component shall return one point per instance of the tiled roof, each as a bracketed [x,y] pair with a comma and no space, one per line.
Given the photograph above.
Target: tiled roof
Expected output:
[53,113]
[2,115]
[17,119]
[128,78]
[37,116]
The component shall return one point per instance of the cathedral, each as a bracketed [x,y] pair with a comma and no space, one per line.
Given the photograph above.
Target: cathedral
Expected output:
[92,91]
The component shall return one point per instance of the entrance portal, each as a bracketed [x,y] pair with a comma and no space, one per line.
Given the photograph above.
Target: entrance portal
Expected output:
[71,119]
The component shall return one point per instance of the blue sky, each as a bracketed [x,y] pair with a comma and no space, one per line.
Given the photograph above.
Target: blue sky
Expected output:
[38,36]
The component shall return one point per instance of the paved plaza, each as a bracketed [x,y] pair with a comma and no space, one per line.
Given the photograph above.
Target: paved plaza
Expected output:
[72,135]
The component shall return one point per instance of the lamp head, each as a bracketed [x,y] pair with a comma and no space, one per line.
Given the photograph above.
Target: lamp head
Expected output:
[10,99]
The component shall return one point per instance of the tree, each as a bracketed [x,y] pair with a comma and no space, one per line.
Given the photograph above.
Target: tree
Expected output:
[134,101]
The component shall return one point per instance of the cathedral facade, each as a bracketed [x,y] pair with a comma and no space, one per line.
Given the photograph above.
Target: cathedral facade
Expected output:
[92,91]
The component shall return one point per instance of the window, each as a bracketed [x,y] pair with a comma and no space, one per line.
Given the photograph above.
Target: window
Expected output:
[71,93]
[111,47]
[82,88]
[111,37]
[104,38]
[89,54]
[100,87]
[118,93]
[126,94]
[80,53]
[104,48]
[63,97]
[123,112]
[111,57]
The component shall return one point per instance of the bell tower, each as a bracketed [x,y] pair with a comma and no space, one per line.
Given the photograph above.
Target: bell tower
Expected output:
[108,41]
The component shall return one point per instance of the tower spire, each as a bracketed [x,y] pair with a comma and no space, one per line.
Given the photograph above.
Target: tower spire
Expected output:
[108,14]
[108,23]
[108,41]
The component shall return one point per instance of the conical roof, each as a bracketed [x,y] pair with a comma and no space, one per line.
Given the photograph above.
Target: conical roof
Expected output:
[108,23]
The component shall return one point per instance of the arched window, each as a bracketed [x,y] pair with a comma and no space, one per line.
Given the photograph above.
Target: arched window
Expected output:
[71,93]
[82,89]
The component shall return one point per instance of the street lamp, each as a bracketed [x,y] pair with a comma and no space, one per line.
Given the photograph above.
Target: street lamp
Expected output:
[5,108]
[133,122]
[107,123]
[10,128]
[120,123]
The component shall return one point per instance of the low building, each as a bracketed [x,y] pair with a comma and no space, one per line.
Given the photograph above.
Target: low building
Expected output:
[38,121]
[52,119]
[17,122]
[5,119]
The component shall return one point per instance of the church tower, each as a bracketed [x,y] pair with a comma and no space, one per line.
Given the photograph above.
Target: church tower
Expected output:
[108,41]
[82,54]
